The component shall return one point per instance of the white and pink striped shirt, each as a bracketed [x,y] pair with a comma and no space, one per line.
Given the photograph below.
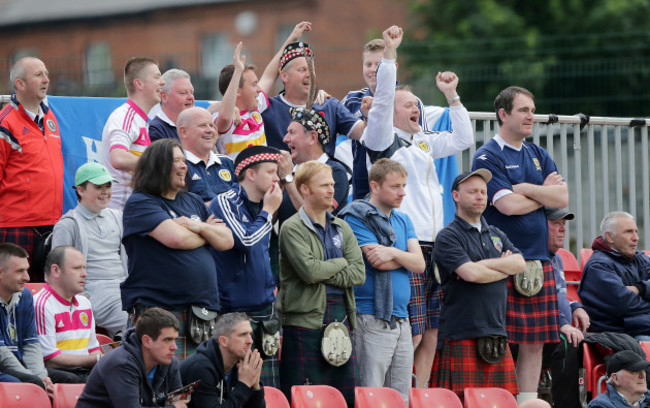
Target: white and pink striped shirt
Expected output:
[127,128]
[62,326]
[250,132]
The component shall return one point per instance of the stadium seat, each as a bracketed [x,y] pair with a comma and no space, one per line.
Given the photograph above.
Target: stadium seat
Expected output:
[594,369]
[489,397]
[23,395]
[316,396]
[34,287]
[585,253]
[274,398]
[66,395]
[371,397]
[572,273]
[433,397]
[645,345]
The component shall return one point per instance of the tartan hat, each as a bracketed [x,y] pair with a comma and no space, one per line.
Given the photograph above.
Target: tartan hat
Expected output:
[295,50]
[253,155]
[312,120]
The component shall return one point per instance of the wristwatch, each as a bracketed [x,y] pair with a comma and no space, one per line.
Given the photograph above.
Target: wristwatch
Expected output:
[288,178]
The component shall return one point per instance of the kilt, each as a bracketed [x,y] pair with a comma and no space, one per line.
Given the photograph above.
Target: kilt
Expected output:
[26,238]
[185,346]
[426,295]
[271,366]
[460,367]
[535,319]
[303,363]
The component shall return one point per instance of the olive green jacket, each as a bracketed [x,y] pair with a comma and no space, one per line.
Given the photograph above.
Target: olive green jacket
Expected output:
[304,274]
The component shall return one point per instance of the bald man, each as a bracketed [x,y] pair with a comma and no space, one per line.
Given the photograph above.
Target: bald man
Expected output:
[210,173]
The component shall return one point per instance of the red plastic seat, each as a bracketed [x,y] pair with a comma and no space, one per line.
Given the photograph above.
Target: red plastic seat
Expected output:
[489,397]
[585,253]
[645,345]
[23,395]
[66,395]
[316,396]
[371,397]
[433,397]
[275,398]
[34,287]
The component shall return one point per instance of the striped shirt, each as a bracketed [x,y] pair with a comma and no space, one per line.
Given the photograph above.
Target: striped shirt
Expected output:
[62,326]
[250,132]
[127,128]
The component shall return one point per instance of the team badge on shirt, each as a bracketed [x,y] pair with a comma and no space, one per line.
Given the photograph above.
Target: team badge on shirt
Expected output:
[424,146]
[51,125]
[538,167]
[336,239]
[83,316]
[225,175]
[498,244]
[257,117]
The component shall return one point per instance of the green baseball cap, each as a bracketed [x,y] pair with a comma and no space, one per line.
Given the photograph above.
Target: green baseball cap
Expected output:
[93,172]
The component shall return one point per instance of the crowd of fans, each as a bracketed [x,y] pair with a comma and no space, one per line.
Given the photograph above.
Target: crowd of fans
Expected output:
[219,236]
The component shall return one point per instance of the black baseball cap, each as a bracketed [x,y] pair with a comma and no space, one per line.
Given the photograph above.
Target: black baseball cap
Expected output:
[625,360]
[558,214]
[483,173]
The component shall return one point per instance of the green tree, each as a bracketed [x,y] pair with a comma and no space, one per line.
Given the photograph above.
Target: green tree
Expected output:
[590,56]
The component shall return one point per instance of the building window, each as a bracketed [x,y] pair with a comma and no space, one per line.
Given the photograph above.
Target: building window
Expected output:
[99,67]
[216,53]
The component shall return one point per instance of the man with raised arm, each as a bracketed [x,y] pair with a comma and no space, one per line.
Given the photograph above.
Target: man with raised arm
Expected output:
[393,132]
[242,90]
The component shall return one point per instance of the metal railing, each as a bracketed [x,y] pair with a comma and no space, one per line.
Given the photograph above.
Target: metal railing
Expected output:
[605,161]
[613,174]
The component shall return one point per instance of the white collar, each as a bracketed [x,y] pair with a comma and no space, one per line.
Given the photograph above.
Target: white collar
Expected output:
[502,143]
[289,103]
[163,116]
[194,159]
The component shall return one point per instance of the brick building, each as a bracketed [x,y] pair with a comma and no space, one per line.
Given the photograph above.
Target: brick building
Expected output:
[85,43]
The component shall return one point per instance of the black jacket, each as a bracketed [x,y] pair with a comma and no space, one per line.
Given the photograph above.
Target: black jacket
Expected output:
[119,379]
[215,391]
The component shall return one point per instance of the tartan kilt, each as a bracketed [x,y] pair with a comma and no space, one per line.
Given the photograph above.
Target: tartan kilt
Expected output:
[424,305]
[303,363]
[26,238]
[460,367]
[270,366]
[535,319]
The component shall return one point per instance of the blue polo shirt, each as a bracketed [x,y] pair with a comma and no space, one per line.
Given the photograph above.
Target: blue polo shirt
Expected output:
[158,275]
[530,164]
[161,129]
[277,119]
[471,310]
[401,288]
[207,181]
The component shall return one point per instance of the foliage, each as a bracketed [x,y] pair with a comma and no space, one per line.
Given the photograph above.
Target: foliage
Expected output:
[590,56]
